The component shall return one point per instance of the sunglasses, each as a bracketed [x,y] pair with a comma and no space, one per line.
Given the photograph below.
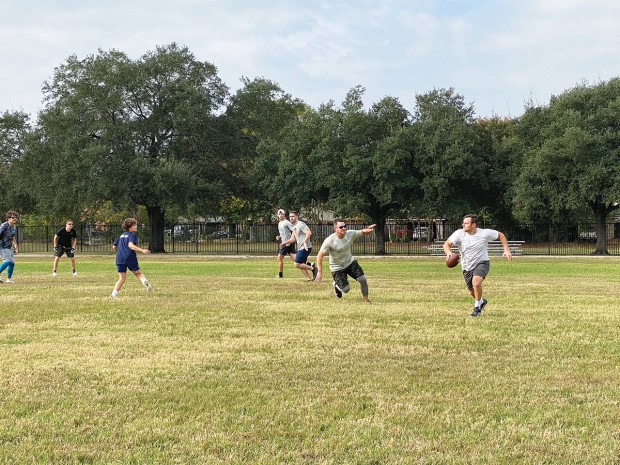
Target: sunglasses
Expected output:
[344,226]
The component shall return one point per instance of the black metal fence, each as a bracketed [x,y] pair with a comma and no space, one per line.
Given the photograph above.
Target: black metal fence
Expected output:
[259,239]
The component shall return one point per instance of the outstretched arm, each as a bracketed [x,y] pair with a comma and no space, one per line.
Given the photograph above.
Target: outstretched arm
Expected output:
[368,230]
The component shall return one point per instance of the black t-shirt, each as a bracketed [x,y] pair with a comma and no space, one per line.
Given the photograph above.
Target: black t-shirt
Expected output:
[65,237]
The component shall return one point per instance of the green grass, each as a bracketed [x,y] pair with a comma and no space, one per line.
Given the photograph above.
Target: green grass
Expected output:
[225,364]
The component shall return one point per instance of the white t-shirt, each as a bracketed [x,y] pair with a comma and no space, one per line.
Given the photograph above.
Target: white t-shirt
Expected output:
[339,250]
[300,234]
[473,247]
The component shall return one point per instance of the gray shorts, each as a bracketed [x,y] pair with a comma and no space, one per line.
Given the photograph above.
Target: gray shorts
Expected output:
[7,255]
[481,269]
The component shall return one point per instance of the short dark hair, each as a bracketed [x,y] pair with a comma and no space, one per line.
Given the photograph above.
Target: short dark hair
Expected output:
[293,212]
[472,217]
[11,213]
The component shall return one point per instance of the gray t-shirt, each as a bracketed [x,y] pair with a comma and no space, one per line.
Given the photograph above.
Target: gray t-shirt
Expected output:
[285,227]
[473,248]
[300,234]
[339,250]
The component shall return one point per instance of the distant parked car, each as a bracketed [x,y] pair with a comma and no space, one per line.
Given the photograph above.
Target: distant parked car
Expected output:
[587,236]
[220,235]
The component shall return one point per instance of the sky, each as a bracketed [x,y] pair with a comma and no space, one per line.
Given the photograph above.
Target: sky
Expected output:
[498,54]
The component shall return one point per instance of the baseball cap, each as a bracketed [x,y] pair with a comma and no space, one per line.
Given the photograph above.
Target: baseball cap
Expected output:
[281,211]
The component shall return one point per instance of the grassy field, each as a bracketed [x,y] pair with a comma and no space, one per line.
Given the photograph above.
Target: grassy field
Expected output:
[224,364]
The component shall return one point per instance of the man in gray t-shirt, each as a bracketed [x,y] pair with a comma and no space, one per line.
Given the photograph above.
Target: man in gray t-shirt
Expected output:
[302,234]
[285,228]
[472,243]
[341,261]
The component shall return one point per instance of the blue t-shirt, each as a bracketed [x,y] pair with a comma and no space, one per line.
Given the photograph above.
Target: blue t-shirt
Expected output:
[6,235]
[124,255]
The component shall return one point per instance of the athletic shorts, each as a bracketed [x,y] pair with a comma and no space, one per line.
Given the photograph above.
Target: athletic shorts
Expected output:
[481,269]
[354,270]
[132,266]
[61,249]
[302,255]
[7,255]
[287,250]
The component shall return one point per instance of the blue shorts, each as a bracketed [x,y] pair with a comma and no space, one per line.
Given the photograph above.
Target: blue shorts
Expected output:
[302,255]
[132,266]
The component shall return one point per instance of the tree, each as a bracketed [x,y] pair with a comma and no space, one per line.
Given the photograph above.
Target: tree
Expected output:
[141,132]
[256,114]
[351,160]
[574,162]
[447,158]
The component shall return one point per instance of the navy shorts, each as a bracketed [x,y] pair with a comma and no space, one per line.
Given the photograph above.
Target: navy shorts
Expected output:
[302,255]
[122,267]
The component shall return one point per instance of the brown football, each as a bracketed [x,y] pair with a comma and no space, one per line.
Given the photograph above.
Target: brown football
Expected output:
[452,260]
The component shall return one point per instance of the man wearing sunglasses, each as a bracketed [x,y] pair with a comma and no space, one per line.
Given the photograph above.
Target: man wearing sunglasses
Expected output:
[8,242]
[65,241]
[341,261]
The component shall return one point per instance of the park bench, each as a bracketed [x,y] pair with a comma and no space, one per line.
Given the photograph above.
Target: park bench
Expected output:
[495,248]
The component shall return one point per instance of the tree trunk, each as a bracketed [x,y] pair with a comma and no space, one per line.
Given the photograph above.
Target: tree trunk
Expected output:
[380,235]
[600,214]
[156,219]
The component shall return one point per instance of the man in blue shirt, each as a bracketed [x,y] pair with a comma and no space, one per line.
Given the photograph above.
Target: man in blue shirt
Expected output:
[125,248]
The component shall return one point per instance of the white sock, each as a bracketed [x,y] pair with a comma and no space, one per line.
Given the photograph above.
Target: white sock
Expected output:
[478,302]
[114,293]
[144,280]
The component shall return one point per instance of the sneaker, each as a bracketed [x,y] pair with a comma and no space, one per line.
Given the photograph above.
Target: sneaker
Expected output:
[74,273]
[1,280]
[279,277]
[53,273]
[315,271]
[9,281]
[476,312]
[148,286]
[483,304]
[337,290]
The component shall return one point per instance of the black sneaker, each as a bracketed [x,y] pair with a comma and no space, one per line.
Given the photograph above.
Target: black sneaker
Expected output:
[476,312]
[337,291]
[483,304]
[315,271]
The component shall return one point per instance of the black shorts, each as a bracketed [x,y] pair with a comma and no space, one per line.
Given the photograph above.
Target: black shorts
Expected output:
[481,269]
[60,250]
[287,250]
[354,270]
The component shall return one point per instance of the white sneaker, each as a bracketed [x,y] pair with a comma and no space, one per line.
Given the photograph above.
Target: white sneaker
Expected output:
[9,281]
[148,286]
[75,273]
[53,273]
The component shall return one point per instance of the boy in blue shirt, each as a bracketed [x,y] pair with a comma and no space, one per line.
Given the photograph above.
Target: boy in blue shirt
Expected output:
[125,248]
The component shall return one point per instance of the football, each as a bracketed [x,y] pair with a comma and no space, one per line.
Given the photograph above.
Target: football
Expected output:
[452,260]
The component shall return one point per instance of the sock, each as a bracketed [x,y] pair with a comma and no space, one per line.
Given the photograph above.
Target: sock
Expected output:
[477,304]
[74,270]
[280,274]
[114,293]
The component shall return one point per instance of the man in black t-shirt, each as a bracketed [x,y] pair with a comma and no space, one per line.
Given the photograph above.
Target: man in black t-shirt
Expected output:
[65,241]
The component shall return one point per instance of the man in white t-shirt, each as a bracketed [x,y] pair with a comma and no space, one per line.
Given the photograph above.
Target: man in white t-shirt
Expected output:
[285,228]
[341,261]
[301,234]
[472,243]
